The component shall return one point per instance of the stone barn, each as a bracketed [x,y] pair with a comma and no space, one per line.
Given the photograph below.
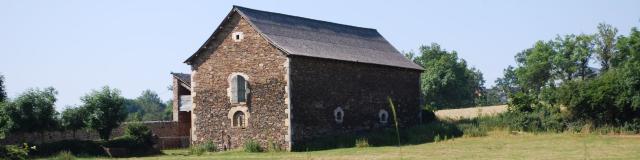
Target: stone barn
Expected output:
[282,79]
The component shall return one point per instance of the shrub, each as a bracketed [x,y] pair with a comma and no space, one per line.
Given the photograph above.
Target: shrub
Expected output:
[200,149]
[197,150]
[384,137]
[539,120]
[473,130]
[14,152]
[209,146]
[134,146]
[252,146]
[612,98]
[521,102]
[428,116]
[65,155]
[140,133]
[632,127]
[137,139]
[125,141]
[274,147]
[362,143]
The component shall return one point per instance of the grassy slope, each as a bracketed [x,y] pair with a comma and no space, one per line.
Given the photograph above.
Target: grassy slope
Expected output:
[498,145]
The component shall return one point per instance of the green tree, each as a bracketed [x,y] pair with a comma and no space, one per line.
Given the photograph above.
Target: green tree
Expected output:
[33,111]
[546,74]
[447,82]
[152,106]
[105,110]
[535,65]
[132,107]
[168,111]
[563,62]
[74,119]
[628,49]
[584,51]
[508,84]
[146,107]
[605,44]
[5,122]
[491,96]
[4,119]
[3,91]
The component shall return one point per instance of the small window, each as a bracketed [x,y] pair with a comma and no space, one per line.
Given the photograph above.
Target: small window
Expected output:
[383,116]
[338,115]
[237,36]
[238,119]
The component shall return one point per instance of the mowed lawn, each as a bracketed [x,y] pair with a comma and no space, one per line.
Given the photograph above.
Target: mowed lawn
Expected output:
[498,145]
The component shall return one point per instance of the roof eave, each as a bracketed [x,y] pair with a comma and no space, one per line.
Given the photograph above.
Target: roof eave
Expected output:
[212,37]
[178,78]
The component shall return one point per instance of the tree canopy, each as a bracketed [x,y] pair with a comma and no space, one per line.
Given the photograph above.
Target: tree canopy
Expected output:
[146,107]
[73,118]
[3,91]
[105,110]
[32,111]
[557,73]
[447,81]
[605,41]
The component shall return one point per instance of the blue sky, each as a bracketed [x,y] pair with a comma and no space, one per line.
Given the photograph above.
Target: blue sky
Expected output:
[133,45]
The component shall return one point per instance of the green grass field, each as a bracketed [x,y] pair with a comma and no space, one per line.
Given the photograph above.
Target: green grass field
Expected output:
[498,145]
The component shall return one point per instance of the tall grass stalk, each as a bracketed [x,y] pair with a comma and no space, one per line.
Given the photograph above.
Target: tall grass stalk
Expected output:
[395,120]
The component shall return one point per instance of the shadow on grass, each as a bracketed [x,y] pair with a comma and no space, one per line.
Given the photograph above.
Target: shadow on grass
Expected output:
[419,134]
[86,149]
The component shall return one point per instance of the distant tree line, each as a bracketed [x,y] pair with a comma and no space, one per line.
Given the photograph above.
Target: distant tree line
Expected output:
[556,84]
[148,107]
[102,110]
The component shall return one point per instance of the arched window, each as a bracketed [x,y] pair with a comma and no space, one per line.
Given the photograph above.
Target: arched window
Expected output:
[242,89]
[383,116]
[239,89]
[238,119]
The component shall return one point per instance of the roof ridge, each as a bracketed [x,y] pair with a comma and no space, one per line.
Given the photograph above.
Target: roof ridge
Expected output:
[291,35]
[323,21]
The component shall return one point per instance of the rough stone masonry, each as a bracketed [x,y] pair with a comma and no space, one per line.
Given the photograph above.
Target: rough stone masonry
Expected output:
[282,80]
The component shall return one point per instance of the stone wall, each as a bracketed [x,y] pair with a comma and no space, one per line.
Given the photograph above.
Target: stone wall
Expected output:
[320,86]
[265,71]
[170,137]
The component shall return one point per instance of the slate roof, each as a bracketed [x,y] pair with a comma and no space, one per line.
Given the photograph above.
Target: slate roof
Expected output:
[185,78]
[314,38]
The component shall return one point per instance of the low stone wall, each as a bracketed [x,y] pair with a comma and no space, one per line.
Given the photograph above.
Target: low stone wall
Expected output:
[167,131]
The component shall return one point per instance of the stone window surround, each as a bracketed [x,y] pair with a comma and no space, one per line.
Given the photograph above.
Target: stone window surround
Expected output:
[383,116]
[242,109]
[338,118]
[230,83]
[238,119]
[237,36]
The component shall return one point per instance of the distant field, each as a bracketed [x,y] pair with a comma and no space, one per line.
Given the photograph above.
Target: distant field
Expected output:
[498,145]
[470,112]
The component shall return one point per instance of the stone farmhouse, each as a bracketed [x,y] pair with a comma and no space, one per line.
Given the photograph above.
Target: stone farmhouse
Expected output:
[282,79]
